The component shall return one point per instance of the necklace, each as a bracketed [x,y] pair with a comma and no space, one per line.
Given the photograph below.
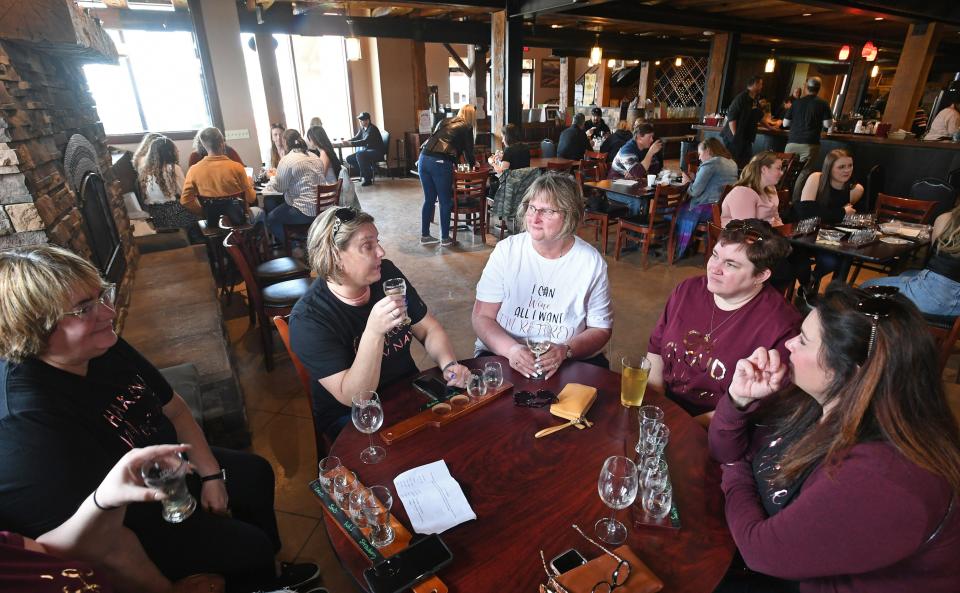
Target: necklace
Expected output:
[552,262]
[713,313]
[353,302]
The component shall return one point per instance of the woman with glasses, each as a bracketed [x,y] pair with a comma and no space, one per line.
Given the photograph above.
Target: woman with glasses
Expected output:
[350,335]
[848,479]
[545,281]
[755,195]
[74,397]
[710,322]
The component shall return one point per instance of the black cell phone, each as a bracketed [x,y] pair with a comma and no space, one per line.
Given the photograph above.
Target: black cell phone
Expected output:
[567,561]
[434,388]
[408,567]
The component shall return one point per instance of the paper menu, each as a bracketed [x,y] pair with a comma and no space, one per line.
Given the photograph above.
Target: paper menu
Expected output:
[433,500]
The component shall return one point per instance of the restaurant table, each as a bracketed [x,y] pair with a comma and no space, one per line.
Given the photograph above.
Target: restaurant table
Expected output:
[876,252]
[527,492]
[344,144]
[543,163]
[267,200]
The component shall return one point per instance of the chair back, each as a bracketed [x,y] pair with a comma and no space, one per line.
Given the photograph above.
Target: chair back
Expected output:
[231,206]
[536,152]
[561,167]
[235,244]
[328,195]
[469,185]
[385,135]
[591,155]
[280,322]
[936,190]
[889,207]
[663,206]
[588,171]
[875,181]
[790,165]
[693,162]
[548,149]
[945,331]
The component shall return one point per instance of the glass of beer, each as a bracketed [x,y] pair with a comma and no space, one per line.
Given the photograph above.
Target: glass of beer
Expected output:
[168,474]
[633,380]
[397,286]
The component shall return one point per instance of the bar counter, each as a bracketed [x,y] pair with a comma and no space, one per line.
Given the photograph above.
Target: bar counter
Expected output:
[903,161]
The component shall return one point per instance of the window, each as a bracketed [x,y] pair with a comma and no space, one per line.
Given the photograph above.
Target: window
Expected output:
[526,84]
[157,86]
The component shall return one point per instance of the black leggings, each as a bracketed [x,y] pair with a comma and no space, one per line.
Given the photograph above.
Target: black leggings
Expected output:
[241,548]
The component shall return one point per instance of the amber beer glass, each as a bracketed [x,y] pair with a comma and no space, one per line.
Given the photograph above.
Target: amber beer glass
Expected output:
[633,380]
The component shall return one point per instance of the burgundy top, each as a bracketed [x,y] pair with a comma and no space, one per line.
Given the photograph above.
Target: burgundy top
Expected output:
[229,152]
[862,525]
[697,370]
[27,571]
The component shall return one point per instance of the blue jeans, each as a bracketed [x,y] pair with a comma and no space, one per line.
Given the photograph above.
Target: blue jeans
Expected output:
[285,214]
[635,206]
[436,177]
[364,161]
[932,293]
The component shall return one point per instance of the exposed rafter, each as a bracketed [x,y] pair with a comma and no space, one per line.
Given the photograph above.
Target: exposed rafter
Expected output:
[944,11]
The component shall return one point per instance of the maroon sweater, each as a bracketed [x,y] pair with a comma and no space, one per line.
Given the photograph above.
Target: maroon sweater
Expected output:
[860,526]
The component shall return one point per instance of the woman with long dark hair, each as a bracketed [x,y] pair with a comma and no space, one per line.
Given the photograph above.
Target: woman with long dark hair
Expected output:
[277,147]
[161,180]
[847,480]
[320,145]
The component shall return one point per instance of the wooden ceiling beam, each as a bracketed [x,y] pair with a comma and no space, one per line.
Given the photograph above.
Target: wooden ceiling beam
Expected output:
[923,11]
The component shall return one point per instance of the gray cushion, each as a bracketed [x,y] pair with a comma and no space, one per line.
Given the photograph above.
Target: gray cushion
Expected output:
[185,380]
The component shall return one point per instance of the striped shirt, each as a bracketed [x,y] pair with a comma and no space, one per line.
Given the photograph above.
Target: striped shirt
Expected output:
[298,175]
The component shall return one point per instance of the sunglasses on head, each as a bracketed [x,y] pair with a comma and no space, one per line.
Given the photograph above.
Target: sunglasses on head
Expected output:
[528,399]
[750,233]
[342,215]
[876,304]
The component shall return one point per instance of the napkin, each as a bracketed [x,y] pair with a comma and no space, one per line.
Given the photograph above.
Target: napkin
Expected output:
[433,500]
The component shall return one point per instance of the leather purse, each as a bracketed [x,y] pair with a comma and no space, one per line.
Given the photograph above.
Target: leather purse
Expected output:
[573,403]
[582,579]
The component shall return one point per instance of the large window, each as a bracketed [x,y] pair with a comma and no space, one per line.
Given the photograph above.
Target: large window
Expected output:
[157,85]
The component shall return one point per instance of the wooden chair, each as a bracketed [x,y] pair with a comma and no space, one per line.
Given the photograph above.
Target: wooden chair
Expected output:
[715,225]
[470,202]
[592,155]
[588,171]
[327,196]
[693,163]
[945,332]
[600,220]
[790,165]
[660,224]
[906,209]
[560,167]
[268,301]
[280,322]
[220,215]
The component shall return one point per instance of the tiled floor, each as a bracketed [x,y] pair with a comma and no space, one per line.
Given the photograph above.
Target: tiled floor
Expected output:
[277,407]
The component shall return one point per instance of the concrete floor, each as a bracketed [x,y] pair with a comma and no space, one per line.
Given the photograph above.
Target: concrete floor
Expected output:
[278,409]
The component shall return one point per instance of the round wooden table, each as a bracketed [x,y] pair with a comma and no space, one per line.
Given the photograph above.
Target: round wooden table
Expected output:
[527,492]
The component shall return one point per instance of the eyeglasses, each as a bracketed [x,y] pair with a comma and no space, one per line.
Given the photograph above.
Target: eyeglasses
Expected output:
[546,213]
[877,304]
[86,311]
[527,399]
[342,215]
[751,234]
[619,577]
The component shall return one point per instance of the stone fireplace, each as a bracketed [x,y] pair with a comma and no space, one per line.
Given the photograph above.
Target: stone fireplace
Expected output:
[56,180]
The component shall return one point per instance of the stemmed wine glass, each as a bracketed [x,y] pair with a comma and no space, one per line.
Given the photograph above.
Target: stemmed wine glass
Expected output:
[367,415]
[539,343]
[618,486]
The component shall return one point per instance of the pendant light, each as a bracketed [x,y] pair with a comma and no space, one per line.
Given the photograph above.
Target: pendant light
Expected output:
[874,71]
[869,51]
[678,62]
[770,65]
[596,54]
[844,53]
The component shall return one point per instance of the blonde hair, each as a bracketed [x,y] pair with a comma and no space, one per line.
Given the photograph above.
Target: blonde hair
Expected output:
[37,283]
[948,242]
[752,175]
[324,247]
[469,114]
[559,190]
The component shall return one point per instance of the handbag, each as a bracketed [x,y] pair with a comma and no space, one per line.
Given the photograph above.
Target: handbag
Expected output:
[573,403]
[583,579]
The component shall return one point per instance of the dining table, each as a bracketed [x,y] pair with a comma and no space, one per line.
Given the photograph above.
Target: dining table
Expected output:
[341,144]
[877,251]
[527,492]
[544,163]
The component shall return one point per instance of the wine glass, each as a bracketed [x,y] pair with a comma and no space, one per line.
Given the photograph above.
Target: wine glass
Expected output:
[367,415]
[397,286]
[539,343]
[476,385]
[657,502]
[618,486]
[329,467]
[493,375]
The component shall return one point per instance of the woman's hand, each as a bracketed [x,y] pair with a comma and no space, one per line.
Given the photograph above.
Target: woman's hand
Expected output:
[849,209]
[551,360]
[213,497]
[387,314]
[521,359]
[123,484]
[684,177]
[757,377]
[457,375]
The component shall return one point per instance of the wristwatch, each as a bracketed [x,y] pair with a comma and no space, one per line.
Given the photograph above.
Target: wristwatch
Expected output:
[569,351]
[220,475]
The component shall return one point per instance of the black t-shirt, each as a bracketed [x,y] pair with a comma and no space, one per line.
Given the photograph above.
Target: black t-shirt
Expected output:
[518,155]
[745,110]
[806,116]
[573,143]
[61,433]
[600,128]
[325,333]
[832,212]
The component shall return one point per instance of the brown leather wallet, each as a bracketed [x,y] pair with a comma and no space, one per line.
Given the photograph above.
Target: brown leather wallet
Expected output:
[583,578]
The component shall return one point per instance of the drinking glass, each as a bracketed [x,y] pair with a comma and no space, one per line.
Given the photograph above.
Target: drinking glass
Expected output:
[367,415]
[656,474]
[355,503]
[657,503]
[397,286]
[493,375]
[650,416]
[168,474]
[539,343]
[476,385]
[655,441]
[633,380]
[343,484]
[618,489]
[329,466]
[376,509]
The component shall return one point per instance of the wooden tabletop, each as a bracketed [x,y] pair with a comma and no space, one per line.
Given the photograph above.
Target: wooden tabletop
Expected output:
[542,163]
[527,492]
[875,252]
[640,189]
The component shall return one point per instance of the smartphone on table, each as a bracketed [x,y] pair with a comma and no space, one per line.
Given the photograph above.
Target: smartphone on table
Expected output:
[435,388]
[567,561]
[409,566]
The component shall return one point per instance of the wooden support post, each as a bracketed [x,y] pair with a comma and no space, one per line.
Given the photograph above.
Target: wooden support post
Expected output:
[498,72]
[267,54]
[648,74]
[513,102]
[568,76]
[913,68]
[421,98]
[603,83]
[859,74]
[729,72]
[716,65]
[477,56]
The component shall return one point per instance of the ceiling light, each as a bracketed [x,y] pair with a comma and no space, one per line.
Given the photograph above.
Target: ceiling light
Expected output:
[657,63]
[869,51]
[770,65]
[709,33]
[844,53]
[596,54]
[807,14]
[878,18]
[874,71]
[678,62]
[555,26]
[150,6]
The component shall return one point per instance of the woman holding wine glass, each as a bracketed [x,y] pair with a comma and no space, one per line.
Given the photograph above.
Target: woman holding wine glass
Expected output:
[545,281]
[350,335]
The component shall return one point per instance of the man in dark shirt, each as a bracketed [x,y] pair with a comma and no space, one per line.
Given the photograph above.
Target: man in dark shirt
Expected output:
[371,148]
[597,127]
[740,128]
[807,117]
[573,140]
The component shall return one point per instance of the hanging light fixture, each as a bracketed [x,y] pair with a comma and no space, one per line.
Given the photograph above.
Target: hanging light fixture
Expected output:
[678,62]
[611,63]
[771,64]
[353,49]
[869,51]
[596,54]
[874,71]
[844,53]
[657,63]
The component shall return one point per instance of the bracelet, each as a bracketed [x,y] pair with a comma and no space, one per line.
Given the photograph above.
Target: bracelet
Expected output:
[448,365]
[100,506]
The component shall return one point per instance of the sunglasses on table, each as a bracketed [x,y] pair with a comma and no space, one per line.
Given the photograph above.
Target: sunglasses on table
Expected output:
[538,399]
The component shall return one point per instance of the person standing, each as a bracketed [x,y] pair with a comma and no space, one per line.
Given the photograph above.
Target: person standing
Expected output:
[573,141]
[370,142]
[740,128]
[451,140]
[807,117]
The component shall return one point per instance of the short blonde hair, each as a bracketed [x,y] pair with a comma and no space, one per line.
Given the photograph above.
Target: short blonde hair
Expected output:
[37,283]
[324,242]
[560,190]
